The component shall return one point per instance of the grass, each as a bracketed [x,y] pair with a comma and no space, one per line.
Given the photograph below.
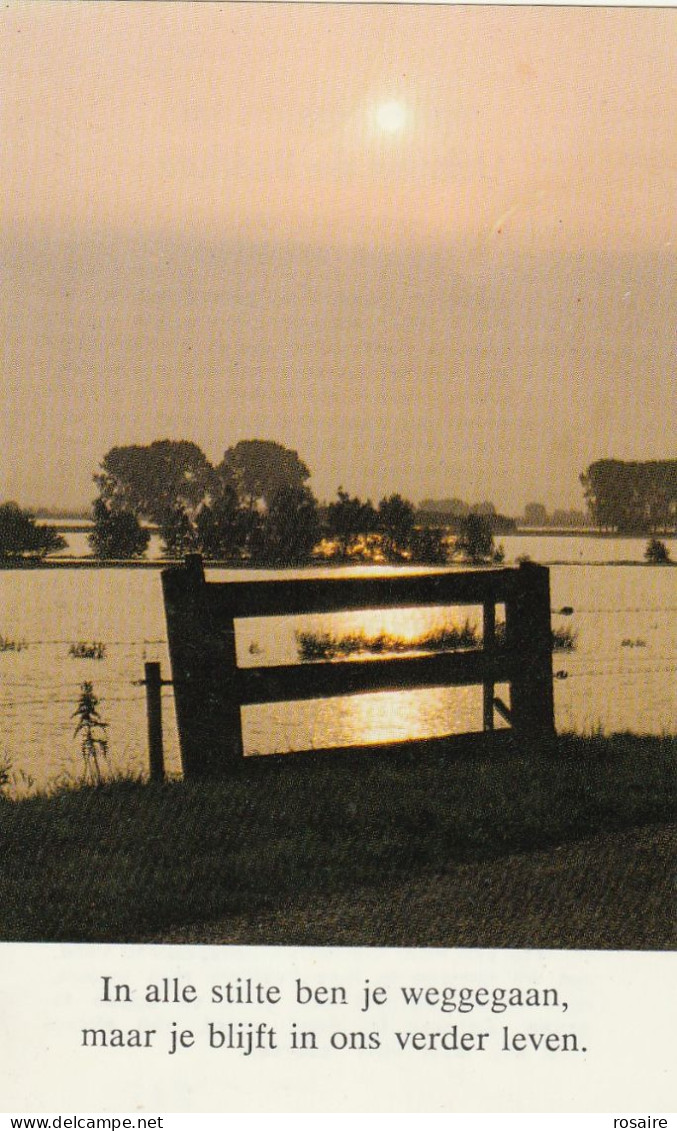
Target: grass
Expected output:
[127,861]
[314,646]
[329,646]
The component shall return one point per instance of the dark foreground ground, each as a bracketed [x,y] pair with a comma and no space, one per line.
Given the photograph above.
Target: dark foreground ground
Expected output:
[570,847]
[614,891]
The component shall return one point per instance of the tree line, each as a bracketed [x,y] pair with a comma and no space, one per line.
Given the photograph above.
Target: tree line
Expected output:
[637,497]
[256,506]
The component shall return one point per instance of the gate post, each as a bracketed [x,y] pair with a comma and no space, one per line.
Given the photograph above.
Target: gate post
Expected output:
[204,673]
[529,639]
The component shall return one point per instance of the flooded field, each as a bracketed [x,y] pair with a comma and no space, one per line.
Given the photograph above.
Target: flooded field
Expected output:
[621,675]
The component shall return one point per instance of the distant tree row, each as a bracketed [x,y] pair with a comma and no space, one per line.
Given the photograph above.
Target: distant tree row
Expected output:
[457,508]
[256,506]
[453,513]
[394,531]
[632,497]
[536,514]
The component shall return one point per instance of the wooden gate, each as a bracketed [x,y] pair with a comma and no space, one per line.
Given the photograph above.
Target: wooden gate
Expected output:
[210,689]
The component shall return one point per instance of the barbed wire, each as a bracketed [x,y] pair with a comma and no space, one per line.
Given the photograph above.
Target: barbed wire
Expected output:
[118,681]
[635,609]
[562,674]
[67,702]
[22,644]
[559,675]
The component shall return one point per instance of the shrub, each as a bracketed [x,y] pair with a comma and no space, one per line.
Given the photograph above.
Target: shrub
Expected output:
[656,552]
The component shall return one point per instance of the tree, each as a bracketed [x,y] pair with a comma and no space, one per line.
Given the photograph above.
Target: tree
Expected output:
[259,469]
[475,541]
[289,530]
[177,533]
[632,497]
[21,537]
[349,519]
[395,523]
[535,514]
[151,480]
[570,518]
[117,533]
[220,527]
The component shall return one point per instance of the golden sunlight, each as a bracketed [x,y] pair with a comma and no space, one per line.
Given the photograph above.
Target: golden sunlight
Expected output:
[391,116]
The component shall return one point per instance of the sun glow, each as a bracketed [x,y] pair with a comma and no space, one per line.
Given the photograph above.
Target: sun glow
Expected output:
[391,116]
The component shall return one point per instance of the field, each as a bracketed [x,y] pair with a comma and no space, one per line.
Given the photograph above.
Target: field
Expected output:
[565,847]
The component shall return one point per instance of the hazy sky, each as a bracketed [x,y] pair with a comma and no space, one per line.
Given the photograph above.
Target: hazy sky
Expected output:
[431,248]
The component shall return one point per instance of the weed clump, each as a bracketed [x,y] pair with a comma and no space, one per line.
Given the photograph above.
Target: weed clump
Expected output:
[84,650]
[9,645]
[564,639]
[92,730]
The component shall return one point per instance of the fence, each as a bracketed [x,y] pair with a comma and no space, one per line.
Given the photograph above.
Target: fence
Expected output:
[210,689]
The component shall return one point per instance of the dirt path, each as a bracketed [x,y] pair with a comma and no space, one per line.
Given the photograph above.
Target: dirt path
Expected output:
[615,891]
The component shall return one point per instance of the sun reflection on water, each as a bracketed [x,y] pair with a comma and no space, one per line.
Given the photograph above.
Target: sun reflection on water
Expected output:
[369,719]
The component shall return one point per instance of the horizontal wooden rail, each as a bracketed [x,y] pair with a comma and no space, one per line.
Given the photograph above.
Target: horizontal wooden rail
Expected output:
[349,594]
[354,677]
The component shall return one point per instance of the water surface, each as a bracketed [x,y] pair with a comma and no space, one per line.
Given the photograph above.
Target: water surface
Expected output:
[620,677]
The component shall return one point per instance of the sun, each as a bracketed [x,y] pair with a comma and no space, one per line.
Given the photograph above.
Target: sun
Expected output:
[391,116]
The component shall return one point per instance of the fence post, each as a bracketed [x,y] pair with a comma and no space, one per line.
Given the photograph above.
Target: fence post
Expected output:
[153,683]
[529,639]
[488,644]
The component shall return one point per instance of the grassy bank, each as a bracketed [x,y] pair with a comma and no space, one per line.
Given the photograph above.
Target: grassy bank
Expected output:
[129,861]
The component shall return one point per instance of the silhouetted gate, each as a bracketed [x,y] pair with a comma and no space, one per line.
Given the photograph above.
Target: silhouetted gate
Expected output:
[210,688]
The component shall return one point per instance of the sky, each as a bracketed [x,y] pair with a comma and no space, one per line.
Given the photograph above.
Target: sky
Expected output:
[431,248]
